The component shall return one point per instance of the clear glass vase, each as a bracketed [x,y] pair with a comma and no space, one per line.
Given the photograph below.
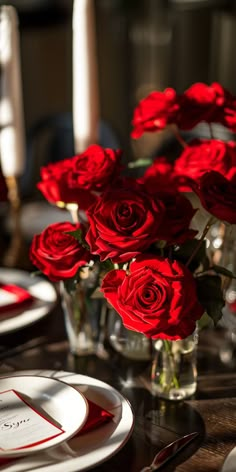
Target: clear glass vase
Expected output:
[81,312]
[129,344]
[174,368]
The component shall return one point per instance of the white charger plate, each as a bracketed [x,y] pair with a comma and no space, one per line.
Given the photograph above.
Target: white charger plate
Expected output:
[230,462]
[43,291]
[65,405]
[87,450]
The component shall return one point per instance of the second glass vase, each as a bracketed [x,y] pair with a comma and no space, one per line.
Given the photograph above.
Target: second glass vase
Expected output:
[129,344]
[174,368]
[81,312]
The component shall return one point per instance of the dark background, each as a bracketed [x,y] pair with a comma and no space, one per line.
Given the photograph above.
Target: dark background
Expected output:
[142,45]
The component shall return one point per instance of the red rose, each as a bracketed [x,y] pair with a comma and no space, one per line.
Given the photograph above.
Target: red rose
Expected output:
[56,169]
[226,114]
[217,195]
[154,112]
[229,116]
[157,297]
[95,168]
[160,180]
[200,102]
[159,176]
[58,254]
[55,185]
[212,104]
[179,213]
[203,155]
[123,223]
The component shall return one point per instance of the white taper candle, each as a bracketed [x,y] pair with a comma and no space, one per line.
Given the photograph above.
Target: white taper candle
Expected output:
[12,130]
[85,76]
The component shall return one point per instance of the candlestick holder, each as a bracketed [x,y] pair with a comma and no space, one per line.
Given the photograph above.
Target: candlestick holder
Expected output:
[16,254]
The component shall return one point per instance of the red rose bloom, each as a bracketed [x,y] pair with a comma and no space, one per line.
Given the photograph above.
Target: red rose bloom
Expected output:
[201,156]
[200,102]
[157,297]
[160,181]
[95,168]
[56,169]
[217,195]
[58,254]
[154,112]
[55,185]
[123,223]
[227,116]
[179,213]
[159,176]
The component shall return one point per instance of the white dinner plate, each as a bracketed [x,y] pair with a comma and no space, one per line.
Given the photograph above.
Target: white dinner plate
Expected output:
[43,291]
[230,462]
[65,406]
[92,448]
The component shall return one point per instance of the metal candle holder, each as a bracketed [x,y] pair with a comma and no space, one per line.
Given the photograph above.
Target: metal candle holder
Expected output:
[16,254]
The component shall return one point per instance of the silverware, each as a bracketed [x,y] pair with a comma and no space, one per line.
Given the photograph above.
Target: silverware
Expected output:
[169,451]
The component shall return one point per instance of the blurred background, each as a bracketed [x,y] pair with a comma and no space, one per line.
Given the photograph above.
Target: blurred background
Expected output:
[142,45]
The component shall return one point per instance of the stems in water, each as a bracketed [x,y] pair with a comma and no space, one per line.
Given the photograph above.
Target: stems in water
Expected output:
[168,348]
[211,131]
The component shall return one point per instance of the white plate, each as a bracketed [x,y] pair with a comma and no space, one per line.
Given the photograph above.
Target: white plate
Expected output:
[67,407]
[43,291]
[90,449]
[230,462]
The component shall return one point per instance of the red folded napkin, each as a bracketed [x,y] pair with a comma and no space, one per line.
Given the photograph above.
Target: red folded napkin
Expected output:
[13,298]
[97,416]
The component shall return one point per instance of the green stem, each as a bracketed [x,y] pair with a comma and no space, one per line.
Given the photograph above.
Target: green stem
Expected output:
[168,348]
[178,136]
[211,131]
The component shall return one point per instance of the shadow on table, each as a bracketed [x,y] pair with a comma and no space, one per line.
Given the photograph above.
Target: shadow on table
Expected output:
[158,423]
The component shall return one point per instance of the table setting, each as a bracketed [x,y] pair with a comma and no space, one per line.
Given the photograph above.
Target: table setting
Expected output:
[37,297]
[117,348]
[96,433]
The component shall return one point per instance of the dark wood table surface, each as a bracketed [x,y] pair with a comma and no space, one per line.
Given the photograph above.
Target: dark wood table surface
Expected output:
[212,411]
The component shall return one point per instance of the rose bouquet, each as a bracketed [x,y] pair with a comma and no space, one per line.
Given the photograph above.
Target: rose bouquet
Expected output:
[141,232]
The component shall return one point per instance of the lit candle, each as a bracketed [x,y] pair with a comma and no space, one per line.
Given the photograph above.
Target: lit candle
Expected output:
[85,76]
[12,132]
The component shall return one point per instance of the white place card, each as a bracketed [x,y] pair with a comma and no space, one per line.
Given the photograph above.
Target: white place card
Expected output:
[21,425]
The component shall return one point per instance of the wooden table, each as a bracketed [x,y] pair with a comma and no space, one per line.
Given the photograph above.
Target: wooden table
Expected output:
[212,411]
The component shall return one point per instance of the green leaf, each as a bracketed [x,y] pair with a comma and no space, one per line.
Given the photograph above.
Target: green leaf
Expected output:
[205,322]
[140,163]
[106,266]
[210,296]
[184,252]
[78,235]
[35,273]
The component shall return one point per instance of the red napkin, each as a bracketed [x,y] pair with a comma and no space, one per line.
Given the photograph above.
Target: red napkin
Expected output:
[96,417]
[22,298]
